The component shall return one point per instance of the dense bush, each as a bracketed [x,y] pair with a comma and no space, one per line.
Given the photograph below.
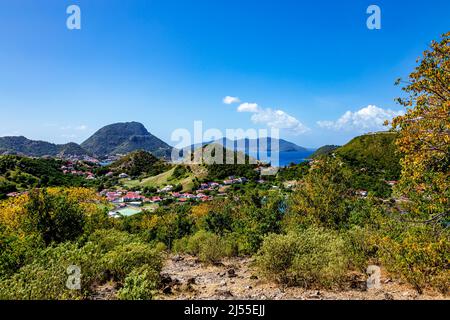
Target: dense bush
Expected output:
[16,251]
[140,284]
[56,218]
[420,255]
[314,257]
[325,197]
[121,260]
[180,172]
[46,276]
[107,254]
[361,247]
[209,247]
[108,239]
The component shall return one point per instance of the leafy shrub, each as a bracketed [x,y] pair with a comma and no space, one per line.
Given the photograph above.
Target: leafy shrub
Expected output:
[180,172]
[16,251]
[325,196]
[420,256]
[209,248]
[107,240]
[121,260]
[196,241]
[56,218]
[313,257]
[212,250]
[45,278]
[97,220]
[180,245]
[361,247]
[167,225]
[230,245]
[107,254]
[140,284]
[219,221]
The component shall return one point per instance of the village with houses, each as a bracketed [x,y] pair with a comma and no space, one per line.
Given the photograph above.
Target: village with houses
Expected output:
[127,203]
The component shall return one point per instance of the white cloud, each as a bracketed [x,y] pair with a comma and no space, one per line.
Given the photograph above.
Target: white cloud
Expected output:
[231,100]
[275,119]
[248,107]
[365,119]
[279,119]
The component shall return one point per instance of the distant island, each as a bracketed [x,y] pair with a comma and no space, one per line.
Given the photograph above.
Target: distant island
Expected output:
[124,138]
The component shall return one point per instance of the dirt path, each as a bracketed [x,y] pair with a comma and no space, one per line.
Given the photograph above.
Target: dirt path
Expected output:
[186,278]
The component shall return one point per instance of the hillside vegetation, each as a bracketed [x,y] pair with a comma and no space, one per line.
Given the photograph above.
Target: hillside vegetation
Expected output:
[373,153]
[373,159]
[21,173]
[140,163]
[169,177]
[123,138]
[324,151]
[32,148]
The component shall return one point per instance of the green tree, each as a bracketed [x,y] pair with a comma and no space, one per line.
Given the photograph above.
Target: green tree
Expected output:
[323,197]
[424,134]
[55,218]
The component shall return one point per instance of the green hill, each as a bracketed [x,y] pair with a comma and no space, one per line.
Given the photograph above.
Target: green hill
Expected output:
[323,151]
[123,138]
[373,159]
[71,149]
[140,163]
[21,173]
[240,166]
[32,148]
[375,153]
[186,180]
[188,175]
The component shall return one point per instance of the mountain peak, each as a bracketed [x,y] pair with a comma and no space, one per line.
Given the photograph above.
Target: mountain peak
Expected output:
[125,137]
[128,128]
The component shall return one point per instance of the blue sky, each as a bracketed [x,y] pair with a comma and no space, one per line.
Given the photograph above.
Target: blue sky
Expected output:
[312,67]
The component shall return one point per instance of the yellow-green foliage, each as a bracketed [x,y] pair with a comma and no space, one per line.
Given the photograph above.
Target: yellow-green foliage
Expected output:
[140,284]
[124,258]
[106,254]
[46,276]
[420,255]
[361,246]
[323,197]
[424,138]
[209,247]
[314,257]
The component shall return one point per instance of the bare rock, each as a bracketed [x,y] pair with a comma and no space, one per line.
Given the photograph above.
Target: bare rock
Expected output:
[165,279]
[316,295]
[388,296]
[167,290]
[231,273]
[177,258]
[224,293]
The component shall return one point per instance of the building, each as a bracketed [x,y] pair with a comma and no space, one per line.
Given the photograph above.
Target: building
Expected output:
[132,197]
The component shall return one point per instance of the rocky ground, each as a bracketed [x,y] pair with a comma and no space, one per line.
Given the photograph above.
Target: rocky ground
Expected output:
[184,277]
